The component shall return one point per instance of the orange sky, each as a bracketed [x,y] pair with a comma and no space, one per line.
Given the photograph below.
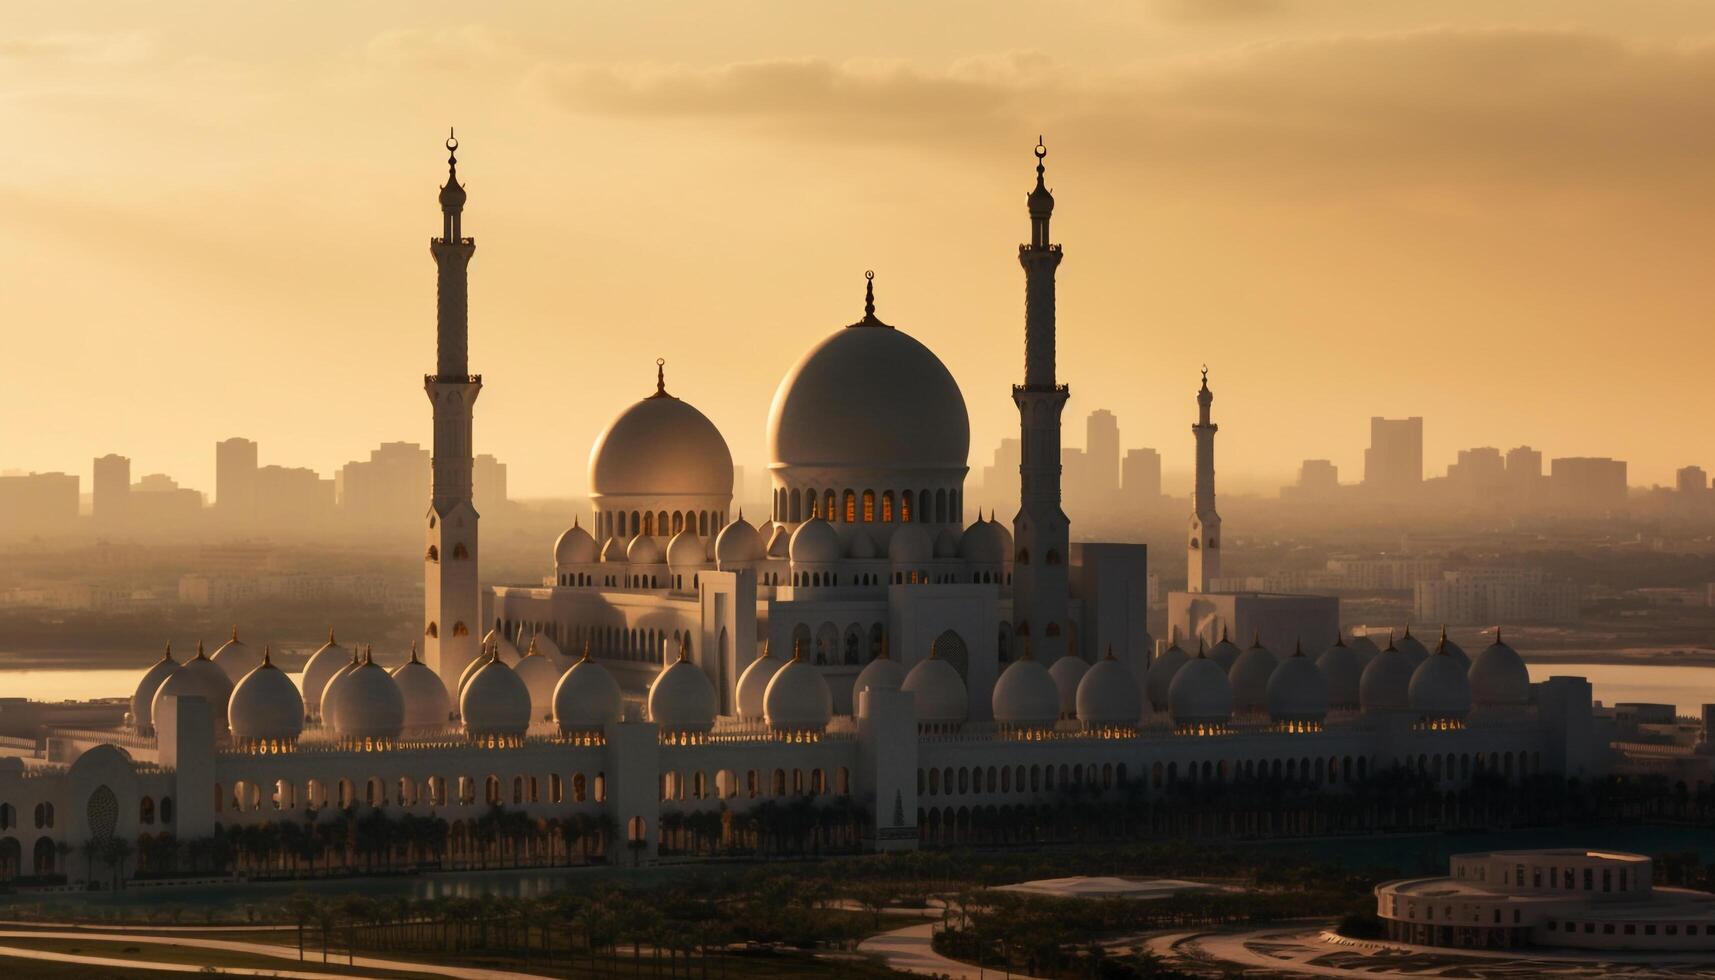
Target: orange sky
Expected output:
[1498,217]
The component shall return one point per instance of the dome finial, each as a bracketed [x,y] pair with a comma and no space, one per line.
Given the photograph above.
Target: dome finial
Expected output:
[660,379]
[414,652]
[586,655]
[1110,651]
[869,317]
[235,633]
[200,655]
[167,654]
[330,634]
[684,647]
[267,656]
[1199,645]
[797,649]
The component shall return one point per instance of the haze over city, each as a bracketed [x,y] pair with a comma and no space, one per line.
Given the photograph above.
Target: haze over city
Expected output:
[1494,216]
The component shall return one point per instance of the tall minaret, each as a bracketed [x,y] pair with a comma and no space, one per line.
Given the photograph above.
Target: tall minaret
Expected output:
[1039,588]
[1203,545]
[452,606]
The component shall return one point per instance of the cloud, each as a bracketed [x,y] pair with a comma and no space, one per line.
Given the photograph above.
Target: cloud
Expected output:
[117,49]
[462,48]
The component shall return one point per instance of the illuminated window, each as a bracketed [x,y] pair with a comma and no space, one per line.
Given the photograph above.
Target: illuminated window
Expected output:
[887,507]
[828,505]
[869,506]
[905,507]
[851,507]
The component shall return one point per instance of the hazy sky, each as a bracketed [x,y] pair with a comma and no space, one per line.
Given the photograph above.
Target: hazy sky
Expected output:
[1497,215]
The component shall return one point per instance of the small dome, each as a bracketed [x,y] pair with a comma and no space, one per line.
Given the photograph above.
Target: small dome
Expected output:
[1386,682]
[1365,648]
[1411,647]
[427,707]
[143,698]
[539,675]
[469,671]
[1226,653]
[324,704]
[815,543]
[643,551]
[685,550]
[753,684]
[1158,681]
[505,650]
[779,542]
[236,658]
[575,547]
[1499,676]
[986,543]
[183,682]
[1439,688]
[367,704]
[910,545]
[1027,694]
[939,692]
[1068,673]
[947,543]
[1250,676]
[546,646]
[497,702]
[1454,650]
[737,543]
[882,674]
[861,547]
[681,699]
[1297,690]
[1343,669]
[266,705]
[215,681]
[660,446]
[319,669]
[586,699]
[613,550]
[1108,695]
[1200,693]
[797,698]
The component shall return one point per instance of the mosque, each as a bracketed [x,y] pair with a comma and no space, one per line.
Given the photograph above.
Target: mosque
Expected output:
[860,640]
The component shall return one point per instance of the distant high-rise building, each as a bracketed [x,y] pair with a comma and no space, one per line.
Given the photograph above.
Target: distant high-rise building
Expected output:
[235,480]
[35,502]
[1000,478]
[1525,483]
[1074,477]
[1394,462]
[292,497]
[488,484]
[1140,475]
[1583,484]
[1102,455]
[111,491]
[387,488]
[1691,480]
[1318,479]
[158,503]
[1479,473]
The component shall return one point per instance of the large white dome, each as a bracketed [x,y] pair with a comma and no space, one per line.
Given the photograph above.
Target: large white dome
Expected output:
[366,704]
[1109,695]
[143,698]
[427,707]
[319,669]
[1499,676]
[1249,675]
[939,692]
[586,699]
[326,703]
[1068,672]
[753,684]
[1439,688]
[1386,681]
[236,657]
[266,705]
[1344,669]
[1027,695]
[681,699]
[660,446]
[1412,647]
[1200,693]
[869,397]
[1226,653]
[798,698]
[1158,682]
[1297,690]
[882,674]
[495,703]
[576,546]
[214,681]
[539,674]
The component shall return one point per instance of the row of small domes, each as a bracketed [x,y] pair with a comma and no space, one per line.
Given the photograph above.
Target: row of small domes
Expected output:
[814,541]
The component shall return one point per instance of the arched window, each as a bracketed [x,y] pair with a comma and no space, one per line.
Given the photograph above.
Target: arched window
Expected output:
[1022,558]
[1053,556]
[433,630]
[459,552]
[849,513]
[940,506]
[905,507]
[828,507]
[648,523]
[434,554]
[795,507]
[869,506]
[146,810]
[887,507]
[460,629]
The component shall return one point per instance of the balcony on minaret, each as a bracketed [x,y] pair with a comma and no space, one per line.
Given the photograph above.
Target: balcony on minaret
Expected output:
[452,379]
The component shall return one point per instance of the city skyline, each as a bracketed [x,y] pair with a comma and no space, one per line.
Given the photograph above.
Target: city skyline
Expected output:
[606,252]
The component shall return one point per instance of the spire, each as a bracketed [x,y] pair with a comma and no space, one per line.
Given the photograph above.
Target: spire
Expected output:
[1298,646]
[586,655]
[414,652]
[684,647]
[532,648]
[452,192]
[167,654]
[1199,646]
[235,633]
[660,379]
[797,650]
[200,655]
[267,656]
[1041,201]
[1110,651]
[369,655]
[330,636]
[1498,637]
[869,317]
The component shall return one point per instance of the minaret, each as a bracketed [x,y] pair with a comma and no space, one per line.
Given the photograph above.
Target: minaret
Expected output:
[1039,587]
[452,604]
[1203,545]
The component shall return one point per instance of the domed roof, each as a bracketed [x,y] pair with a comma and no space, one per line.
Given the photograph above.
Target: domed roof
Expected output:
[266,705]
[614,549]
[1499,676]
[939,692]
[319,669]
[1412,647]
[214,679]
[497,701]
[797,698]
[1200,693]
[366,703]
[1439,688]
[143,698]
[469,671]
[685,550]
[986,543]
[815,542]
[1297,690]
[1343,669]
[1226,653]
[1108,695]
[737,542]
[586,698]
[862,546]
[947,543]
[575,547]
[1250,676]
[546,646]
[643,551]
[910,545]
[1028,695]
[187,683]
[1364,647]
[1068,672]
[753,684]
[236,658]
[1454,650]
[325,704]
[427,707]
[779,542]
[681,699]
[1386,681]
[869,397]
[660,446]
[1159,681]
[882,673]
[539,675]
[504,649]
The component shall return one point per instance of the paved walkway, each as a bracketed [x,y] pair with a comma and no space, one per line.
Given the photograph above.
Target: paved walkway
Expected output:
[909,949]
[230,945]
